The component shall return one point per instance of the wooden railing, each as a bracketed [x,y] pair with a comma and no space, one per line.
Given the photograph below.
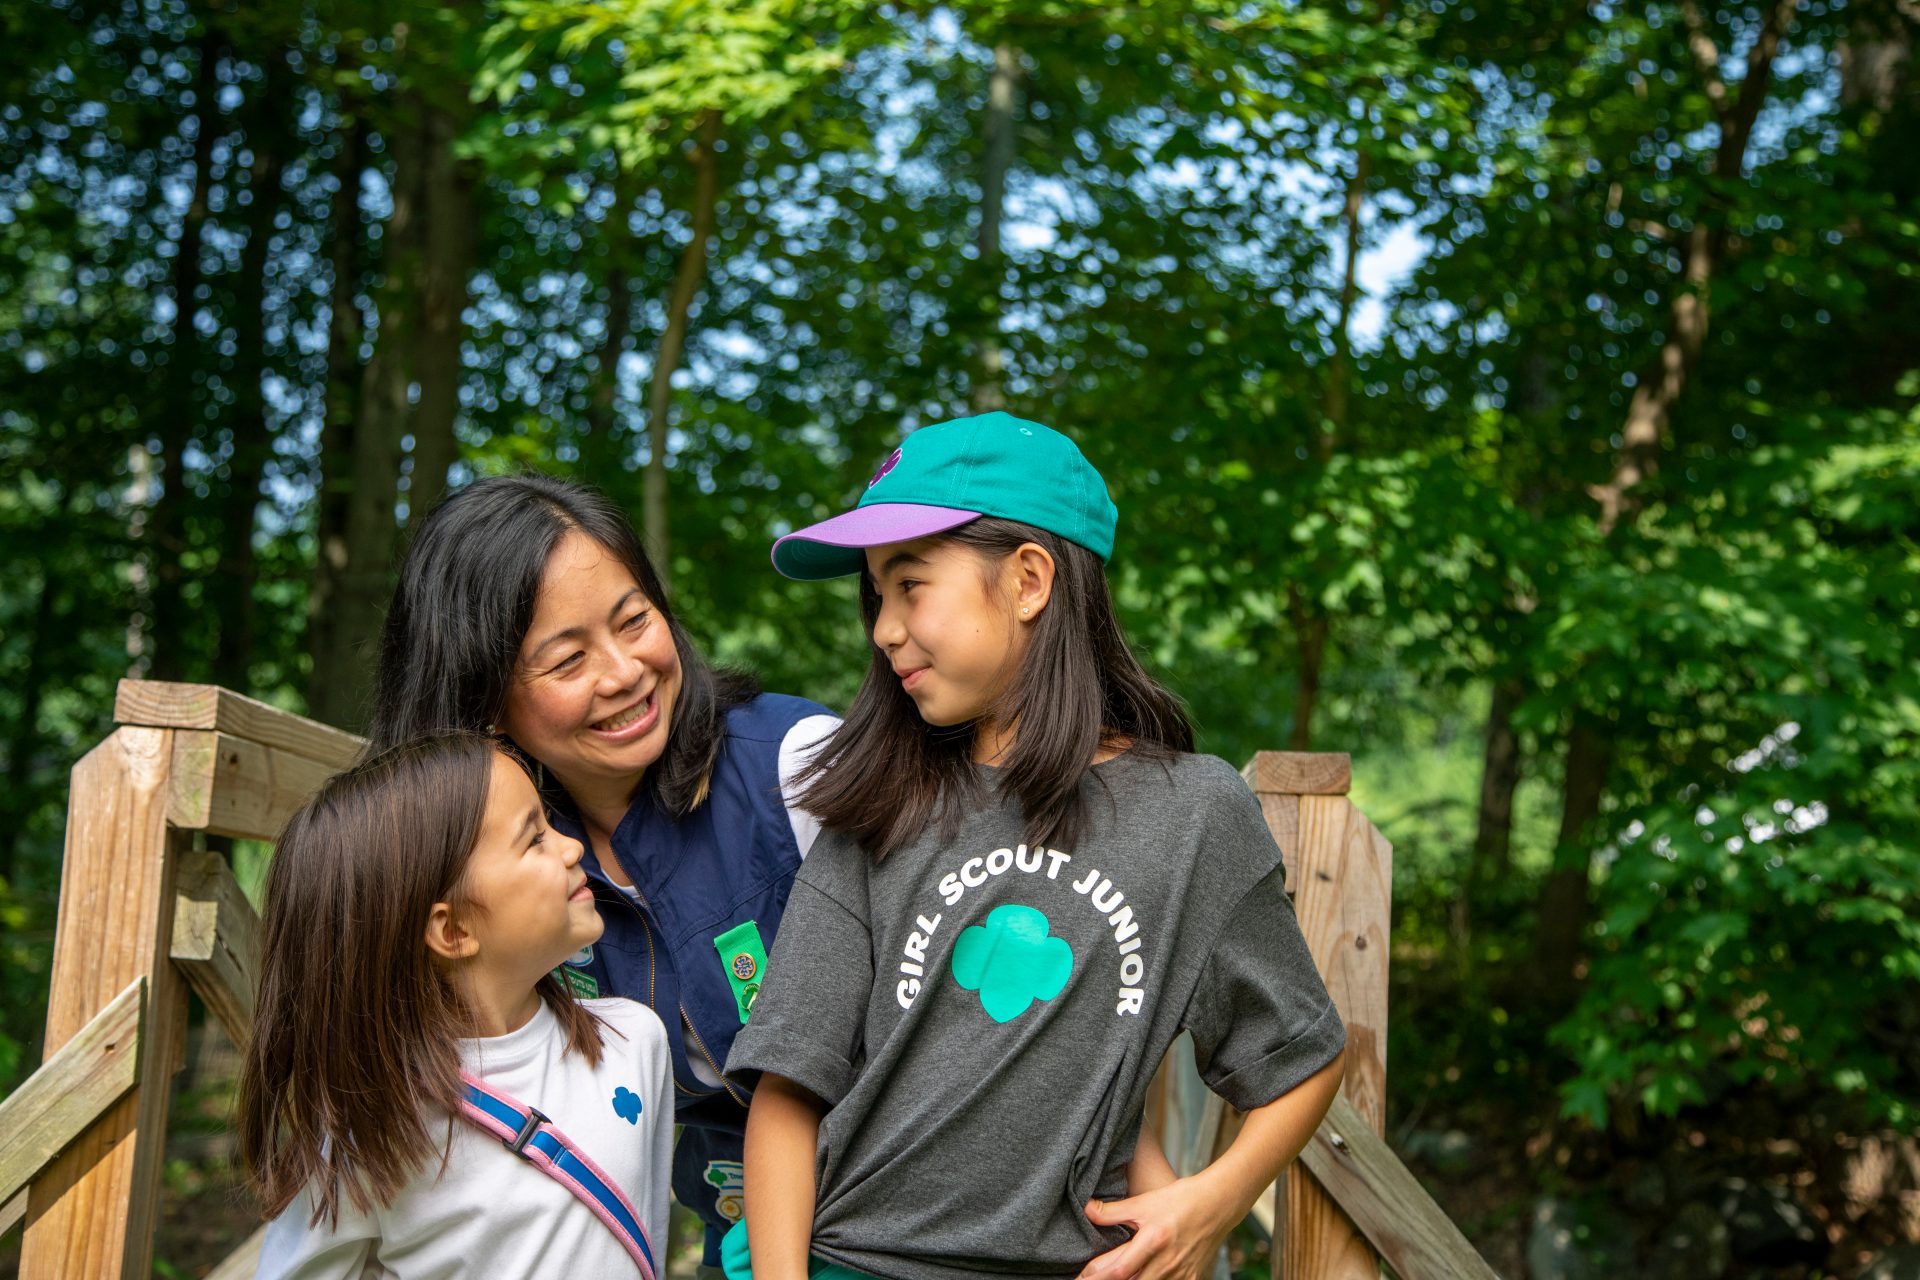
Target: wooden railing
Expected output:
[1348,1203]
[147,912]
[144,915]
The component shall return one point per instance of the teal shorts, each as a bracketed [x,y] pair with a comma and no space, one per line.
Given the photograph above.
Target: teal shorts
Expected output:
[738,1262]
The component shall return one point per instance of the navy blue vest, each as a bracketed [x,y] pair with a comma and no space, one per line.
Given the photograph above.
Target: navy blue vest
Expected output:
[729,861]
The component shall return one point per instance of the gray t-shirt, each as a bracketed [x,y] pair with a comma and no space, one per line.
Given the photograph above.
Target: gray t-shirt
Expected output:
[983,1018]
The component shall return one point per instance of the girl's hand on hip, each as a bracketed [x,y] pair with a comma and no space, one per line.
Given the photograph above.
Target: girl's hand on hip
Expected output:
[1177,1233]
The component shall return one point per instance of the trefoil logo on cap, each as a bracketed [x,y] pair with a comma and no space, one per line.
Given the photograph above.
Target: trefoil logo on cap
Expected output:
[893,460]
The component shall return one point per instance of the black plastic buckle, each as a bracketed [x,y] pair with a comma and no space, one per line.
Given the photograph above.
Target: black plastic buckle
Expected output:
[530,1126]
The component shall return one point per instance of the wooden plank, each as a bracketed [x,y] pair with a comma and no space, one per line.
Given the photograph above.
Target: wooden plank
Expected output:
[92,1211]
[216,940]
[162,704]
[1282,813]
[1394,1212]
[232,786]
[90,1073]
[243,1261]
[12,1212]
[1300,773]
[1344,902]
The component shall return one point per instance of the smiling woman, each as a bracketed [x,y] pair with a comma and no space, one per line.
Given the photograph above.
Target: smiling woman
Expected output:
[528,608]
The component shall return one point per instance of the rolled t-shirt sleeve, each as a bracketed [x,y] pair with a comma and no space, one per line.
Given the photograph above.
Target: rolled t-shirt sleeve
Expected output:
[1261,1019]
[806,1023]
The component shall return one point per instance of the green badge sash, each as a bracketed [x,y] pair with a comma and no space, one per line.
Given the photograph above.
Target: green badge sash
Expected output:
[744,958]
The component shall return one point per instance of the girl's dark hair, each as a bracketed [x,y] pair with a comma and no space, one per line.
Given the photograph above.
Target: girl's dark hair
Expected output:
[353,1037]
[466,597]
[884,774]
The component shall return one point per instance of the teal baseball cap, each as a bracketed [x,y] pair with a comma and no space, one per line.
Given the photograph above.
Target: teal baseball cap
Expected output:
[946,474]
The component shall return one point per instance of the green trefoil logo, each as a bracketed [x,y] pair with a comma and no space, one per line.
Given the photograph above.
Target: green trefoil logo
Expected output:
[1012,961]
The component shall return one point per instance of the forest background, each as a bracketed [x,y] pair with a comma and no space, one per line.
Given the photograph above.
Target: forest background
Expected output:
[1524,398]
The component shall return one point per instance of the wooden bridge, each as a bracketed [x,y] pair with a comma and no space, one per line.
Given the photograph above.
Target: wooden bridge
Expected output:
[147,912]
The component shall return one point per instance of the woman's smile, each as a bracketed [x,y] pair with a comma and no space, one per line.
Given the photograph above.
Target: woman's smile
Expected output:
[624,726]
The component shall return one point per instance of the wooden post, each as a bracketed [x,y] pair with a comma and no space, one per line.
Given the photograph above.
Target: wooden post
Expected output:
[216,941]
[92,1212]
[1340,874]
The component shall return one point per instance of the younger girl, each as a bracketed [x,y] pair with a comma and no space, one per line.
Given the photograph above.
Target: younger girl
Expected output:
[410,1042]
[1025,890]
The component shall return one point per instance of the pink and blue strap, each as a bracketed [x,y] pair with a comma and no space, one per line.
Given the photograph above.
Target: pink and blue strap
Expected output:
[531,1135]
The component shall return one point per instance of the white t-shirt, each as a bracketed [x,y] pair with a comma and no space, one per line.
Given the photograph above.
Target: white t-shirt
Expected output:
[797,750]
[492,1213]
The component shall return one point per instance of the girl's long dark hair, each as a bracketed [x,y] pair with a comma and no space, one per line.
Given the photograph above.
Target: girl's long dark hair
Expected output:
[353,1047]
[884,774]
[466,597]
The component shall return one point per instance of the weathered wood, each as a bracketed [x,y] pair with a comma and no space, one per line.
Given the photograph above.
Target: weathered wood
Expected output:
[243,1261]
[216,940]
[162,704]
[90,1073]
[1300,773]
[1399,1219]
[92,1211]
[1183,1114]
[234,787]
[12,1211]
[1282,813]
[1344,902]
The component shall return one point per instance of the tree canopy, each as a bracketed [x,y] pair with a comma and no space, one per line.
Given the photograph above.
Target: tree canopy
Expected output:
[1524,399]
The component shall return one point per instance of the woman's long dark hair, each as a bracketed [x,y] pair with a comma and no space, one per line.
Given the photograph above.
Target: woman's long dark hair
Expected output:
[353,1049]
[885,773]
[466,598]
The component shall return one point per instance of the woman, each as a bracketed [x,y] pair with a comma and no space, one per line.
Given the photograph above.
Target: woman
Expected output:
[527,607]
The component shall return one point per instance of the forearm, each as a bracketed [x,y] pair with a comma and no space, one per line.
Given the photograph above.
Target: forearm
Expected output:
[783,1131]
[1269,1140]
[1149,1170]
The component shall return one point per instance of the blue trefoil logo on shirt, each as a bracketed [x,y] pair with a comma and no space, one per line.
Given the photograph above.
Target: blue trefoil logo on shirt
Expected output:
[1012,961]
[626,1104]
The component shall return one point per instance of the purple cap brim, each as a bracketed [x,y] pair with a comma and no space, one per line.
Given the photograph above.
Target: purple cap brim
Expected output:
[837,547]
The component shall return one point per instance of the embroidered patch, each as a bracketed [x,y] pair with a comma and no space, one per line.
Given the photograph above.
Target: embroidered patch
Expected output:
[1012,961]
[581,985]
[744,956]
[729,1181]
[626,1104]
[893,460]
[583,957]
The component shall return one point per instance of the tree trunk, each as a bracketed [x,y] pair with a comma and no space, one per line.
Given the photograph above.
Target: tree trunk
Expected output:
[600,451]
[447,190]
[1500,776]
[1651,410]
[380,424]
[1339,390]
[166,526]
[686,287]
[997,137]
[251,432]
[25,739]
[337,428]
[1310,634]
[1491,856]
[1311,625]
[1564,900]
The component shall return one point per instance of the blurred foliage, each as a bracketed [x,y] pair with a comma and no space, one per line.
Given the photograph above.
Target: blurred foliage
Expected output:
[1407,469]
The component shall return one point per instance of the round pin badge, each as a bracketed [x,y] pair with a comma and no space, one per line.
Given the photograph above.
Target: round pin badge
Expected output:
[744,967]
